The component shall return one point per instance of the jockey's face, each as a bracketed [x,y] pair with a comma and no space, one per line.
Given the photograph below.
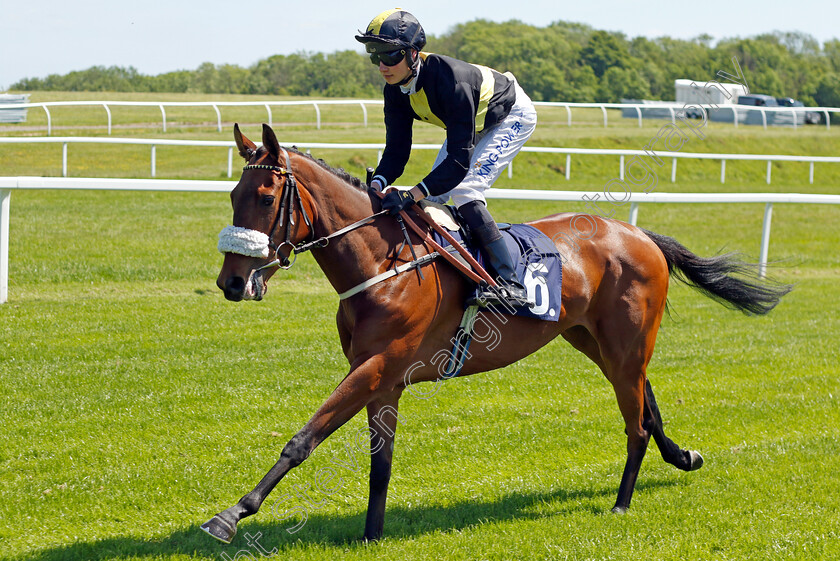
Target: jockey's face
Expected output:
[397,73]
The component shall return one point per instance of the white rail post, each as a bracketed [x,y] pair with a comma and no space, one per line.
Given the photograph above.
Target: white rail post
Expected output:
[154,158]
[621,168]
[794,118]
[230,162]
[673,115]
[568,166]
[634,213]
[723,171]
[510,170]
[734,117]
[5,203]
[765,240]
[364,111]
[673,170]
[49,120]
[604,111]
[163,116]
[64,159]
[317,116]
[267,108]
[763,118]
[218,117]
[639,113]
[769,167]
[108,111]
[811,174]
[569,116]
[827,121]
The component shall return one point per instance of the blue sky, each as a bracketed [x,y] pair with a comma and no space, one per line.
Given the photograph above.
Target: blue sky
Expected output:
[155,36]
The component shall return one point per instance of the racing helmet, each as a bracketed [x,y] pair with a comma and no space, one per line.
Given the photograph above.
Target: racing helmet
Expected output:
[392,30]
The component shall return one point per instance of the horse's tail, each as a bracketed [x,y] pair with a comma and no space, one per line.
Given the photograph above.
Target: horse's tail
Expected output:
[724,278]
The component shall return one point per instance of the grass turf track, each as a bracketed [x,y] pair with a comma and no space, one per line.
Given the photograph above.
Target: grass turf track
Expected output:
[136,402]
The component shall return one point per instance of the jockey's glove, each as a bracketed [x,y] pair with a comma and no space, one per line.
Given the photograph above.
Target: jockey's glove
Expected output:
[396,200]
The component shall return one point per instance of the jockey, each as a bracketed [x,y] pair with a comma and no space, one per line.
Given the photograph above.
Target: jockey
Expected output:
[487,117]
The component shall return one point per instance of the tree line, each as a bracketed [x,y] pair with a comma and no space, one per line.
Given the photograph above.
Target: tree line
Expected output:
[560,62]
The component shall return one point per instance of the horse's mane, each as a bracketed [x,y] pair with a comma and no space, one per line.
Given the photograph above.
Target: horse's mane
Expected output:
[338,172]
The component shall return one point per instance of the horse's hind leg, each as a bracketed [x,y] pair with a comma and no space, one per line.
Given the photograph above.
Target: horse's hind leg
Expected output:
[686,460]
[628,381]
[625,369]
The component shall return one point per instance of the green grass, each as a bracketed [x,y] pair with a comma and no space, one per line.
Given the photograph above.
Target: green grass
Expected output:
[137,402]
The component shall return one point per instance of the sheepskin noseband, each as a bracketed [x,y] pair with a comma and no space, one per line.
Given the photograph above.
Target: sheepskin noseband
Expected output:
[243,241]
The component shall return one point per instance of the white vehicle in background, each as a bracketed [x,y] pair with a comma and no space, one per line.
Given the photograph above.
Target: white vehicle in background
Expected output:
[709,95]
[9,113]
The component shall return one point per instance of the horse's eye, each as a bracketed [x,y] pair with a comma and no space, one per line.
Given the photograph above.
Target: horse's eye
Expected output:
[267,200]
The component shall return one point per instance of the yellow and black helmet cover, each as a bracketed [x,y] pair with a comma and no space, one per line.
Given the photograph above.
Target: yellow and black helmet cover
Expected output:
[393,29]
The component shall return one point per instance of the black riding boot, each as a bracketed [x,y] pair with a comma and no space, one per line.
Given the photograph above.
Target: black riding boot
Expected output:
[510,290]
[486,233]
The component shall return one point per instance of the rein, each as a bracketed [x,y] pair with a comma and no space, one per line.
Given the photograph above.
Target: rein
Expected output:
[319,243]
[253,243]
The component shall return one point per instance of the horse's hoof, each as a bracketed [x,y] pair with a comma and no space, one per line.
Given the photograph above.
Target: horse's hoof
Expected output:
[696,460]
[219,529]
[619,509]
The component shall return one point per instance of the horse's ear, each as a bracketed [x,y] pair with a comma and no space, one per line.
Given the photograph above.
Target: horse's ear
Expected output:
[270,142]
[246,147]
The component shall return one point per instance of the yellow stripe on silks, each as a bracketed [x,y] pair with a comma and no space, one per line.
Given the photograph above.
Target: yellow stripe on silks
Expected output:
[487,86]
[376,23]
[420,104]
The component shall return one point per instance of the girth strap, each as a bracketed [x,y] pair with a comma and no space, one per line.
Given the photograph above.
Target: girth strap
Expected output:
[416,264]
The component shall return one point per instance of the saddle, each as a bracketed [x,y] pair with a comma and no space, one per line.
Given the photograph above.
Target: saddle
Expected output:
[445,232]
[538,265]
[537,261]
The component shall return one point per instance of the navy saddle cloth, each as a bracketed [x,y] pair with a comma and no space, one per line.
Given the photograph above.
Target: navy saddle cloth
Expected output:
[539,267]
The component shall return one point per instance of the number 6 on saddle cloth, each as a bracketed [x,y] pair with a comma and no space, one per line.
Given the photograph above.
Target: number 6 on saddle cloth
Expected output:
[538,264]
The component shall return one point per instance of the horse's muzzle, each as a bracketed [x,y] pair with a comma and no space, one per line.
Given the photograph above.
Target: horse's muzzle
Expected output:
[236,288]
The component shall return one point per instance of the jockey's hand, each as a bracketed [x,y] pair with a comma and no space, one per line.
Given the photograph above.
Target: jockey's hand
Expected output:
[396,200]
[376,184]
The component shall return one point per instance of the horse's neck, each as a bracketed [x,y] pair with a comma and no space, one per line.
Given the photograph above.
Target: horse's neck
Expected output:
[354,256]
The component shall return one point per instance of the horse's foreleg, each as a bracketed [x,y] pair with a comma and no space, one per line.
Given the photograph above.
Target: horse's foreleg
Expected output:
[382,421]
[686,460]
[223,525]
[351,395]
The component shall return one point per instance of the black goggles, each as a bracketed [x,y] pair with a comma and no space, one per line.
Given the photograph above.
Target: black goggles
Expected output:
[391,58]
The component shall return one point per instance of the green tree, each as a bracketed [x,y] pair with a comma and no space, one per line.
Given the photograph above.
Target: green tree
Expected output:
[832,54]
[827,93]
[564,61]
[603,51]
[621,83]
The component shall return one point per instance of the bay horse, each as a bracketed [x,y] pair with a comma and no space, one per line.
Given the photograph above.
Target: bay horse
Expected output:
[614,287]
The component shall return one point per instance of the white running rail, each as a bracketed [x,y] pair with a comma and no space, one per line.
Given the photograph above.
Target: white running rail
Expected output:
[8,184]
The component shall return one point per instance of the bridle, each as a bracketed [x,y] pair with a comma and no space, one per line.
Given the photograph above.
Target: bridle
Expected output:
[253,243]
[285,219]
